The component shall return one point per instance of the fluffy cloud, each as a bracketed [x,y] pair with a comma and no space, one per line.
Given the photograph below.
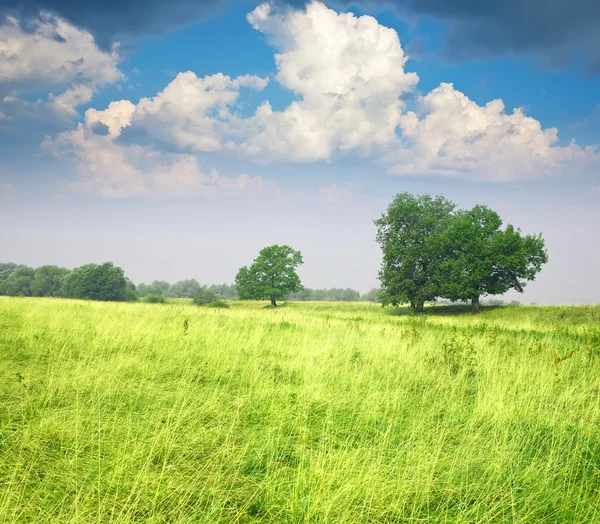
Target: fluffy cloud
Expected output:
[54,54]
[458,137]
[191,112]
[110,169]
[349,74]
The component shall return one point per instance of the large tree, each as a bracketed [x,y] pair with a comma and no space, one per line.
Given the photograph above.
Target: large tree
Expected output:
[480,258]
[408,234]
[271,276]
[16,281]
[47,281]
[97,282]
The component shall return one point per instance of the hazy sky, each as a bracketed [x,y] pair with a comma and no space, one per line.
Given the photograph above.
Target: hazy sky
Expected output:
[178,140]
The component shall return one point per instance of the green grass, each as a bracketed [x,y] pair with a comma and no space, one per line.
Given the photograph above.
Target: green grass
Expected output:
[312,412]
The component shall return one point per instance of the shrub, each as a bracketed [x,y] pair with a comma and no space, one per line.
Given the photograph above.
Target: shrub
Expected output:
[217,303]
[155,299]
[204,297]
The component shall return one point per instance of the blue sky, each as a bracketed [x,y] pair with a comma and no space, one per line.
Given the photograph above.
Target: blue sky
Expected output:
[178,147]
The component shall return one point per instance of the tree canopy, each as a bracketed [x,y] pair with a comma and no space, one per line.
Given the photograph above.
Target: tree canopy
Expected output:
[271,276]
[479,258]
[432,250]
[96,282]
[408,235]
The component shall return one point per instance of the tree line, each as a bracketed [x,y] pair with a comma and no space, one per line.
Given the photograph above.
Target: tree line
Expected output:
[431,250]
[108,282]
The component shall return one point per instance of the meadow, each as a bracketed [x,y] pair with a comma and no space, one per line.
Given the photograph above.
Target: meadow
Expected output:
[311,412]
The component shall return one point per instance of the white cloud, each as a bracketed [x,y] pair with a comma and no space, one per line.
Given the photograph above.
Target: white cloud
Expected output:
[349,74]
[54,54]
[115,117]
[458,137]
[192,112]
[110,169]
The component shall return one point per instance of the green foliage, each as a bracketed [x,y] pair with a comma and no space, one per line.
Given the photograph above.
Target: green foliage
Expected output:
[185,288]
[408,235]
[271,276]
[16,281]
[48,281]
[204,297]
[218,304]
[104,282]
[372,296]
[158,287]
[328,295]
[431,250]
[224,291]
[479,258]
[155,299]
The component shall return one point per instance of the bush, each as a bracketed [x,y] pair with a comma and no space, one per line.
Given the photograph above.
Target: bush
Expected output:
[155,299]
[204,297]
[217,303]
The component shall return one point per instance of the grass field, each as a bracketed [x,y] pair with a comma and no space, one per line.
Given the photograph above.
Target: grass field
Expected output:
[313,412]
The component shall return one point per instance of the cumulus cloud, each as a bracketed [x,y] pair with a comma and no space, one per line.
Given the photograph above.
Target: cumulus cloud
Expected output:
[349,74]
[458,137]
[110,169]
[53,54]
[191,112]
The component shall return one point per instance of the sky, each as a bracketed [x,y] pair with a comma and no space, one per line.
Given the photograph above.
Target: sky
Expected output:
[176,139]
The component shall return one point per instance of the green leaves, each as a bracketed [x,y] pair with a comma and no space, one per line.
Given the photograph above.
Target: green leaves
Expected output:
[432,250]
[272,275]
[407,233]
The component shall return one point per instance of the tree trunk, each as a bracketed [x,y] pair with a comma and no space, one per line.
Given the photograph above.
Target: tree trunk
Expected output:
[475,304]
[273,302]
[419,307]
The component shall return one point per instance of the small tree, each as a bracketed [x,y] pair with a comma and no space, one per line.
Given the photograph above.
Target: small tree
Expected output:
[271,276]
[480,259]
[407,234]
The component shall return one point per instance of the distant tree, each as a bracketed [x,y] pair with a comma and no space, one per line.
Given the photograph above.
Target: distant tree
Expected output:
[162,287]
[330,295]
[158,287]
[155,299]
[96,282]
[48,281]
[7,265]
[408,236]
[480,258]
[131,293]
[204,297]
[224,291]
[371,296]
[271,276]
[185,288]
[17,281]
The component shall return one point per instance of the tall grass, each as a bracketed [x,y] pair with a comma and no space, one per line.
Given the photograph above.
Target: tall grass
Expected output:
[312,412]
